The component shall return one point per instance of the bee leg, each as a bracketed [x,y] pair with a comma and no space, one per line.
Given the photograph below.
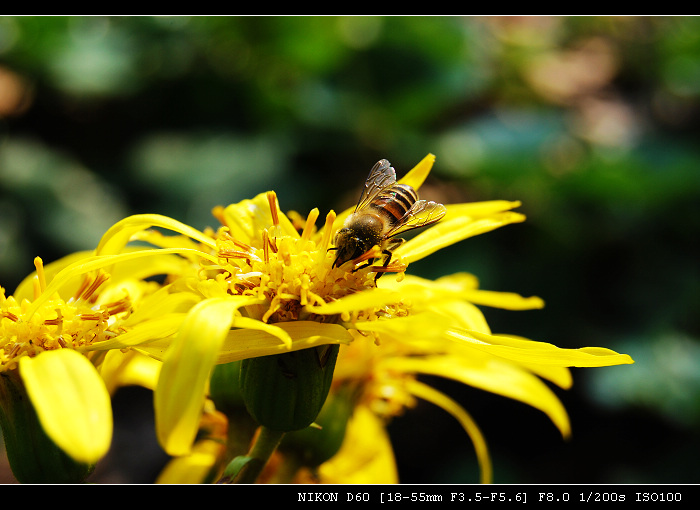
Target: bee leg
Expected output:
[395,243]
[386,263]
[368,263]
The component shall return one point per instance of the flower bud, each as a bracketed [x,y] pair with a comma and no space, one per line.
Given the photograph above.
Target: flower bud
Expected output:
[285,392]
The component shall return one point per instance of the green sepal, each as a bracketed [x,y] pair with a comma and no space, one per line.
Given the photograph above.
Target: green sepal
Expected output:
[225,392]
[33,456]
[234,467]
[224,388]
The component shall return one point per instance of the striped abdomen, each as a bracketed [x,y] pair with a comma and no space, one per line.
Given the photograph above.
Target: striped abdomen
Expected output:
[394,202]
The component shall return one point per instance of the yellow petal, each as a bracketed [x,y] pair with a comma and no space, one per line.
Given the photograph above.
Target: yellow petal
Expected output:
[129,368]
[528,351]
[561,376]
[450,231]
[129,270]
[194,467]
[412,328]
[246,219]
[466,285]
[148,332]
[119,234]
[71,401]
[181,388]
[93,263]
[481,209]
[462,286]
[366,455]
[505,300]
[425,392]
[284,341]
[455,282]
[252,343]
[375,298]
[162,302]
[417,175]
[25,290]
[464,315]
[157,238]
[493,375]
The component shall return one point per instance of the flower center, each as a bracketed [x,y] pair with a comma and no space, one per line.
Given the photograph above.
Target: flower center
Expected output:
[287,272]
[57,324]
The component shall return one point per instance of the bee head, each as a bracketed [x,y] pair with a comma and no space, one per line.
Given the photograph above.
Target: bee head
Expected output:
[348,245]
[359,234]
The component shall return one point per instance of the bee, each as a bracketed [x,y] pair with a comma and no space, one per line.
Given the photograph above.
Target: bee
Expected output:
[385,209]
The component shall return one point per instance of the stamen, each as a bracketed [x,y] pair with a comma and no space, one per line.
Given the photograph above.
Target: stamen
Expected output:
[243,277]
[305,281]
[100,278]
[282,292]
[276,305]
[241,245]
[15,350]
[225,235]
[97,316]
[266,252]
[272,200]
[10,315]
[394,267]
[315,298]
[37,288]
[122,305]
[327,231]
[244,286]
[39,264]
[310,222]
[57,321]
[83,285]
[226,253]
[273,244]
[285,254]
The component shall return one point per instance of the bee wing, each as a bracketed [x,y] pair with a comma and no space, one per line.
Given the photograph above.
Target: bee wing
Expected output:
[380,177]
[421,214]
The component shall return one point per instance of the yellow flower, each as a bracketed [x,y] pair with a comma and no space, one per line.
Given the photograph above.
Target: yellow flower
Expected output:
[365,457]
[266,284]
[204,461]
[446,335]
[60,338]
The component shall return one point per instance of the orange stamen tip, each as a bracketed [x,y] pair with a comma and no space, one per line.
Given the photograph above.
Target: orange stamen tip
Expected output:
[272,200]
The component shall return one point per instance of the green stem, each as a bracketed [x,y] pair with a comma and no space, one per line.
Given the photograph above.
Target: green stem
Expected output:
[265,445]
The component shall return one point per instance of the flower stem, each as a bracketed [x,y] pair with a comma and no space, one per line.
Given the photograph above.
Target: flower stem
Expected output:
[265,445]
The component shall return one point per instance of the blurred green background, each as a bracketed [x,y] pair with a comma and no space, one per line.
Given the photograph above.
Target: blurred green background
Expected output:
[592,122]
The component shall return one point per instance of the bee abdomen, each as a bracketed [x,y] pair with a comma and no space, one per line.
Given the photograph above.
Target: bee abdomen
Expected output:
[395,201]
